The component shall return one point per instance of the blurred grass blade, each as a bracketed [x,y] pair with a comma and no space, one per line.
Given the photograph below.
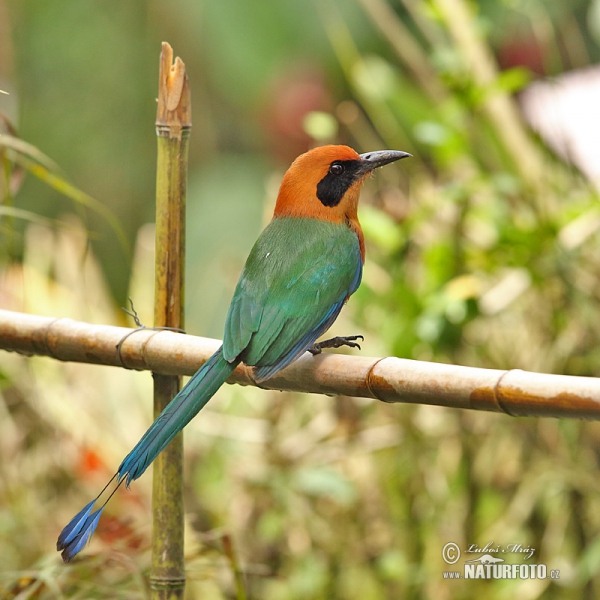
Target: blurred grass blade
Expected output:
[67,189]
[19,213]
[405,45]
[23,147]
[228,548]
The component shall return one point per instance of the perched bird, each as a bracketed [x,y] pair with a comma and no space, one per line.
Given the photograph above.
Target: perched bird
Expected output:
[300,272]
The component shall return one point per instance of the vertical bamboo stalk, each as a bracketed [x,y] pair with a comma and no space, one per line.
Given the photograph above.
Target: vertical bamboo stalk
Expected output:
[173,125]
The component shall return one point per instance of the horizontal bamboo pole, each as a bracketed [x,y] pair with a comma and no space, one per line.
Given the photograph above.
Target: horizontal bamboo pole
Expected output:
[515,392]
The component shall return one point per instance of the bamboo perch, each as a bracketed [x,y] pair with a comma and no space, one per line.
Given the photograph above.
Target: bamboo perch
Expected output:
[173,125]
[515,392]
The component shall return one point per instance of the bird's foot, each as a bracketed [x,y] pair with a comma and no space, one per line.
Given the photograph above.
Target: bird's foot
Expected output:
[336,342]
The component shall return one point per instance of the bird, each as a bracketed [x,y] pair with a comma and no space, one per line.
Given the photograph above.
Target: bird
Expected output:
[299,274]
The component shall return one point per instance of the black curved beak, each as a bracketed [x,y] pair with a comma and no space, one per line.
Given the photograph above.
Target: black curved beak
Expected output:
[372,160]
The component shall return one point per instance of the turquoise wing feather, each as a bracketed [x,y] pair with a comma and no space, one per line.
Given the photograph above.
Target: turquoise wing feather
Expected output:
[295,282]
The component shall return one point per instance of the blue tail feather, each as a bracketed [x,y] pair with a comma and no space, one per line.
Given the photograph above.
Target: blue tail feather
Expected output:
[180,411]
[70,532]
[77,543]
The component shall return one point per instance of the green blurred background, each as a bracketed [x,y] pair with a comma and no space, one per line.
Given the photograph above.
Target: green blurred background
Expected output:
[483,250]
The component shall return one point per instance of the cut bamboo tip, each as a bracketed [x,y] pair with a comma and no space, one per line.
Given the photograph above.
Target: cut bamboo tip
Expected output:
[390,379]
[174,110]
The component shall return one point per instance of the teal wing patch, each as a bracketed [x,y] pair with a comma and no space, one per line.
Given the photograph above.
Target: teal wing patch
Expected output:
[243,320]
[295,282]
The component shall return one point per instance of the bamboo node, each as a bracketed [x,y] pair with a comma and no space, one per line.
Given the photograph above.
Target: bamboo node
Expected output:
[167,583]
[47,345]
[370,380]
[249,373]
[498,393]
[142,351]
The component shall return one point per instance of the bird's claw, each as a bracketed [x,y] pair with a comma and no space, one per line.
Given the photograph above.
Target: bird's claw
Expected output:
[336,342]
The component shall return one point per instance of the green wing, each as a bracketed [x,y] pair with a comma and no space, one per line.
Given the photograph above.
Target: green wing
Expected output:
[295,282]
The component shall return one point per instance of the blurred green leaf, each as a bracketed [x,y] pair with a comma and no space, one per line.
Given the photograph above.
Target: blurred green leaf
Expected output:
[321,126]
[322,481]
[379,228]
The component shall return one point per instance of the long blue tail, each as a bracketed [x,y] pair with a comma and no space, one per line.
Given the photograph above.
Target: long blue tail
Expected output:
[180,411]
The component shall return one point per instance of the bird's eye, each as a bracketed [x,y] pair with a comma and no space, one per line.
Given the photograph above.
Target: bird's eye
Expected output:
[336,168]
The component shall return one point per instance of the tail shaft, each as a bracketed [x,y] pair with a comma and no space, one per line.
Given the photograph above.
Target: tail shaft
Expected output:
[180,411]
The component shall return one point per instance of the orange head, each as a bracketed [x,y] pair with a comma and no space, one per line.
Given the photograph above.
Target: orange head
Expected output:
[325,183]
